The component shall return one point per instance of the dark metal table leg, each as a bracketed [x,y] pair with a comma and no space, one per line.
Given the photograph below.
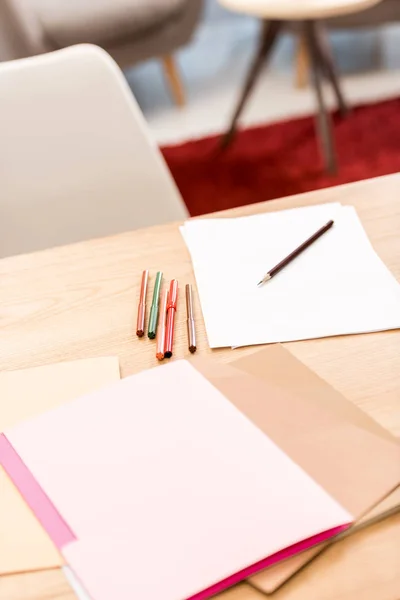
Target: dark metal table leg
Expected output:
[324,120]
[329,66]
[269,34]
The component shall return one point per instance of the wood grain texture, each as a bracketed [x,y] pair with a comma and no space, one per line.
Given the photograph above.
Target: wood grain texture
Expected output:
[80,301]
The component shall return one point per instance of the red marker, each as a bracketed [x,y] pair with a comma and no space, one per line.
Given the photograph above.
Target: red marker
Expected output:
[171,312]
[162,326]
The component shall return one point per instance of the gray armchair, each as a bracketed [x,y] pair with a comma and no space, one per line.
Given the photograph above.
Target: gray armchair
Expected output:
[129,30]
[383,13]
[387,11]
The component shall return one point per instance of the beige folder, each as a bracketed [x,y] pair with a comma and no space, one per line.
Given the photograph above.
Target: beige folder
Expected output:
[355,459]
[24,545]
[276,365]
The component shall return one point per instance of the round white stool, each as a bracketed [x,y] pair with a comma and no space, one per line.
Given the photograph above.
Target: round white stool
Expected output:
[307,17]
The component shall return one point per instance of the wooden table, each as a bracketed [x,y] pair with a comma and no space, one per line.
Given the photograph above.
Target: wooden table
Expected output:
[80,301]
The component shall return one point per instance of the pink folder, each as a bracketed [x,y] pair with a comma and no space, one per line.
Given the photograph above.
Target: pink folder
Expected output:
[151,488]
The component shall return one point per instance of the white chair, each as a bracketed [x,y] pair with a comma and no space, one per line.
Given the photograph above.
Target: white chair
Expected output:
[76,158]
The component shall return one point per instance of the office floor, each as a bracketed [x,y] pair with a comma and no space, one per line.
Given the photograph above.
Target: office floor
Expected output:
[213,67]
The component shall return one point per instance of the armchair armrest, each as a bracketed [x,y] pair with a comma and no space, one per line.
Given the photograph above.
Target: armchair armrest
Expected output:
[21,33]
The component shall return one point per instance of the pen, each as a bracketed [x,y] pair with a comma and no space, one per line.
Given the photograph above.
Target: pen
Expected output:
[162,325]
[153,319]
[295,253]
[171,308]
[142,304]
[191,332]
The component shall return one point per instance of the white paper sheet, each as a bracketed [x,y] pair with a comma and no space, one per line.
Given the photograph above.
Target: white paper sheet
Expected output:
[338,286]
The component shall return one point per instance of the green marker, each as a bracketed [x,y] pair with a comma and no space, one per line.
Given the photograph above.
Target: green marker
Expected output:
[153,320]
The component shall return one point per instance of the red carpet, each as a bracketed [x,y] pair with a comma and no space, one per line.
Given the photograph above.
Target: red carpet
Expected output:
[282,159]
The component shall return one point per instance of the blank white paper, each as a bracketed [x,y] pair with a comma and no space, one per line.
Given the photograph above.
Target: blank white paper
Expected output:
[338,286]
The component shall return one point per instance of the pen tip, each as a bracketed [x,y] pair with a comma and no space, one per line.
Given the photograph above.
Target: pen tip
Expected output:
[264,280]
[192,349]
[140,333]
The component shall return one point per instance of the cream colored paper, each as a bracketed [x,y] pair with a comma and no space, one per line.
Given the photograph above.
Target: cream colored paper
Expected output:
[24,545]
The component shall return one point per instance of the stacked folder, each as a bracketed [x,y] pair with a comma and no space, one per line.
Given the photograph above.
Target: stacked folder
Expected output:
[146,488]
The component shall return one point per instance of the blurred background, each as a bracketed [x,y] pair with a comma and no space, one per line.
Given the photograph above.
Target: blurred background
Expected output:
[214,65]
[321,106]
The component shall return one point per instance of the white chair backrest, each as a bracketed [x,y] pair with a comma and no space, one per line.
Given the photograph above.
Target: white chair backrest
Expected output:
[76,158]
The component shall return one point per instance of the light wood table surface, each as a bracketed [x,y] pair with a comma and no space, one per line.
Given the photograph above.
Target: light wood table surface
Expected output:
[80,301]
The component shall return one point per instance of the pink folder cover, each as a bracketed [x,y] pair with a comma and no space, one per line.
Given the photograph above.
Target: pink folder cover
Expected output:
[172,473]
[86,557]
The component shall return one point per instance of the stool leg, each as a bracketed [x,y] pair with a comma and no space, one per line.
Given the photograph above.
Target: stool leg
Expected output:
[324,120]
[329,66]
[174,80]
[269,34]
[302,63]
